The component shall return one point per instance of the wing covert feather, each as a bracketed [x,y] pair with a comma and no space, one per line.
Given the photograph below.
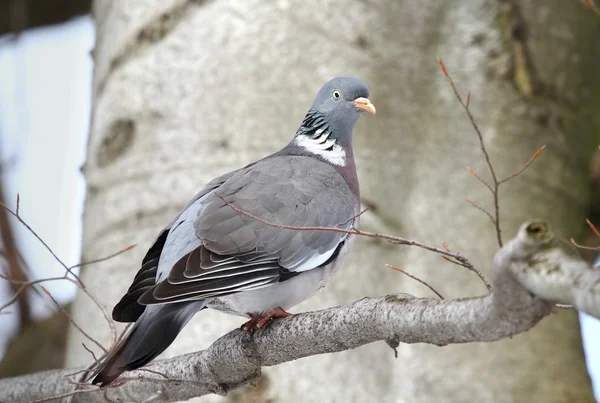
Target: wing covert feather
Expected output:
[241,253]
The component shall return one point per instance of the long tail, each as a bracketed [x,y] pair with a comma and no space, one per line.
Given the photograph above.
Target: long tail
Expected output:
[153,332]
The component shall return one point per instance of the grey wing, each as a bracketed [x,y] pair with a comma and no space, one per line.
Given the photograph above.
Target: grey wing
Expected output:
[239,252]
[128,309]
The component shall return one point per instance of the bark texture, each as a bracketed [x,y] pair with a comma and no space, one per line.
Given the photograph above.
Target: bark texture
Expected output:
[186,90]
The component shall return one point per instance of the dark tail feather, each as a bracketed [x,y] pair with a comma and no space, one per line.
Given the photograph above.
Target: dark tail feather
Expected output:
[153,332]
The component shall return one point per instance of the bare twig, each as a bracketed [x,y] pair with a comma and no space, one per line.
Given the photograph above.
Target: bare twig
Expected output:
[484,211]
[592,227]
[24,286]
[392,239]
[14,265]
[453,261]
[495,182]
[68,270]
[155,372]
[64,311]
[480,179]
[527,165]
[96,360]
[124,331]
[352,218]
[103,259]
[416,279]
[40,240]
[495,185]
[594,231]
[473,269]
[591,4]
[575,244]
[111,325]
[81,371]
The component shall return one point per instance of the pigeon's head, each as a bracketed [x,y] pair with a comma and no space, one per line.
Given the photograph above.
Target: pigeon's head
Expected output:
[326,130]
[341,101]
[343,94]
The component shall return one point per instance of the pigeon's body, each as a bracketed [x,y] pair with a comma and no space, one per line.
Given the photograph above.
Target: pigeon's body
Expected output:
[236,246]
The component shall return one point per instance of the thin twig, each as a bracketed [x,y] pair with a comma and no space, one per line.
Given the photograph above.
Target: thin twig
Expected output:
[91,353]
[470,267]
[27,284]
[527,165]
[592,227]
[352,218]
[594,231]
[494,187]
[484,211]
[480,179]
[495,183]
[124,331]
[575,244]
[111,325]
[154,372]
[14,266]
[64,311]
[24,285]
[453,261]
[102,259]
[473,269]
[392,239]
[40,240]
[416,279]
[81,371]
[69,269]
[591,4]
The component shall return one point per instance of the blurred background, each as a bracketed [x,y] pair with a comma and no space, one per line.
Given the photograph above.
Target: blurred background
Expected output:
[45,93]
[45,101]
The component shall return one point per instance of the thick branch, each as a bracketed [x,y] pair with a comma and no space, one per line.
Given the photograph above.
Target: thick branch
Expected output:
[531,274]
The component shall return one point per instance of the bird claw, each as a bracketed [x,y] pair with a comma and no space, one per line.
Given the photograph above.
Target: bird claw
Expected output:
[258,321]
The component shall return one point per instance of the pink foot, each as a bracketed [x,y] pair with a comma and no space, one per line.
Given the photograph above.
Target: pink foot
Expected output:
[258,320]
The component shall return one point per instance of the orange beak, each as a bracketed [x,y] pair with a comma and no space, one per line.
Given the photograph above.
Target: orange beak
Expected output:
[365,105]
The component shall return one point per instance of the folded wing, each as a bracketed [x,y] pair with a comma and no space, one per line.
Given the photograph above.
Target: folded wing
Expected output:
[240,252]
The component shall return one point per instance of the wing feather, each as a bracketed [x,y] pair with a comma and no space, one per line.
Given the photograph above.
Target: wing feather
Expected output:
[239,253]
[128,309]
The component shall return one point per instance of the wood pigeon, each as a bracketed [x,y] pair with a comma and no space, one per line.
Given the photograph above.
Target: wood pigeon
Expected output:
[212,255]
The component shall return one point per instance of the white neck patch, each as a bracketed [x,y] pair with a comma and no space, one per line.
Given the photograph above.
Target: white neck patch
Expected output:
[324,146]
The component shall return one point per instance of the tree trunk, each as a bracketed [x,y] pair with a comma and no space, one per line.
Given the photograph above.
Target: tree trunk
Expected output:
[186,90]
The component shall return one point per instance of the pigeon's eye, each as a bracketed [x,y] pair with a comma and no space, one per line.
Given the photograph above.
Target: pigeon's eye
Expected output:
[336,94]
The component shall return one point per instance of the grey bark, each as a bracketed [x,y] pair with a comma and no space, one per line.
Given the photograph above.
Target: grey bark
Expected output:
[186,90]
[531,274]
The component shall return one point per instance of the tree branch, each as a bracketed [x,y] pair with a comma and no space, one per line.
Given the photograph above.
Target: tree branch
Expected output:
[456,258]
[531,274]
